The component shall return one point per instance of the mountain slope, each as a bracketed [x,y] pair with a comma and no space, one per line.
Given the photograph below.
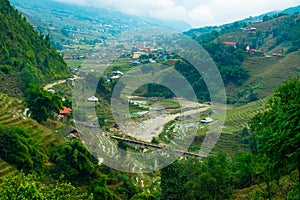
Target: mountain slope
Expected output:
[273,53]
[278,33]
[278,36]
[25,55]
[14,113]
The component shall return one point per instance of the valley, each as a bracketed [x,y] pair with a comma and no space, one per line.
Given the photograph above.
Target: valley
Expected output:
[99,104]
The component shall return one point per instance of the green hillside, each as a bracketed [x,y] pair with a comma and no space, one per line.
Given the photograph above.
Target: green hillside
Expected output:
[238,117]
[269,50]
[272,35]
[48,160]
[25,55]
[268,73]
[279,35]
[6,170]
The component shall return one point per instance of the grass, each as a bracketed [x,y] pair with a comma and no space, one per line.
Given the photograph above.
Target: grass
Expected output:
[6,170]
[269,72]
[11,85]
[168,103]
[121,64]
[237,118]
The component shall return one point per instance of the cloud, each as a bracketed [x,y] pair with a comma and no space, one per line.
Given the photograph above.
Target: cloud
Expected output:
[195,12]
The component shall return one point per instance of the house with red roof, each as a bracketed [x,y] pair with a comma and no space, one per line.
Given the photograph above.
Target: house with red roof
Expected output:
[230,43]
[66,111]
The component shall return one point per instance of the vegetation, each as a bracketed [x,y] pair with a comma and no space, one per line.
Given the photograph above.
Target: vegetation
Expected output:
[155,90]
[228,60]
[185,179]
[263,161]
[6,170]
[274,35]
[238,117]
[26,55]
[30,187]
[73,161]
[17,148]
[276,132]
[271,167]
[288,30]
[68,163]
[42,104]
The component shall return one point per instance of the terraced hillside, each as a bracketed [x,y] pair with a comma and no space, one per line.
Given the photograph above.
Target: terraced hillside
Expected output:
[278,36]
[13,112]
[228,143]
[6,170]
[237,118]
[268,72]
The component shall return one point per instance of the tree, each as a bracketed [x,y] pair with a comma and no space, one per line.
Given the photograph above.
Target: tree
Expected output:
[212,178]
[245,167]
[143,57]
[266,18]
[29,187]
[41,103]
[20,187]
[276,132]
[173,178]
[98,187]
[74,161]
[19,149]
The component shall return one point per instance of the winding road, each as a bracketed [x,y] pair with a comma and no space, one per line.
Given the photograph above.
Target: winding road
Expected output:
[50,85]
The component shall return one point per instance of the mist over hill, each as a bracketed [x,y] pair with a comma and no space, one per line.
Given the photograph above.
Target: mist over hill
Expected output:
[55,10]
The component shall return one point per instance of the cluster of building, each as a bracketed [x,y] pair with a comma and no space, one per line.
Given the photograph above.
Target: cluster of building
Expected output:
[144,54]
[252,51]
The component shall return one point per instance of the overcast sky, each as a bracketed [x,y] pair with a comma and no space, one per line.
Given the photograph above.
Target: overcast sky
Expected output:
[195,12]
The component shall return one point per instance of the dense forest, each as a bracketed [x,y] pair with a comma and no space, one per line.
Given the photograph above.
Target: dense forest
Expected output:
[26,55]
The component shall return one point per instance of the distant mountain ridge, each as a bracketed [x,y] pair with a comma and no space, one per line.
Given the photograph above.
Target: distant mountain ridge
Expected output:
[292,10]
[208,29]
[100,15]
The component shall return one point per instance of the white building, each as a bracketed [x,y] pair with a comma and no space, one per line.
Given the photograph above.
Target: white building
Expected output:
[92,99]
[206,120]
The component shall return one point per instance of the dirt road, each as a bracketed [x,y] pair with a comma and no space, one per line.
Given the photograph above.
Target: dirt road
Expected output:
[148,129]
[50,85]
